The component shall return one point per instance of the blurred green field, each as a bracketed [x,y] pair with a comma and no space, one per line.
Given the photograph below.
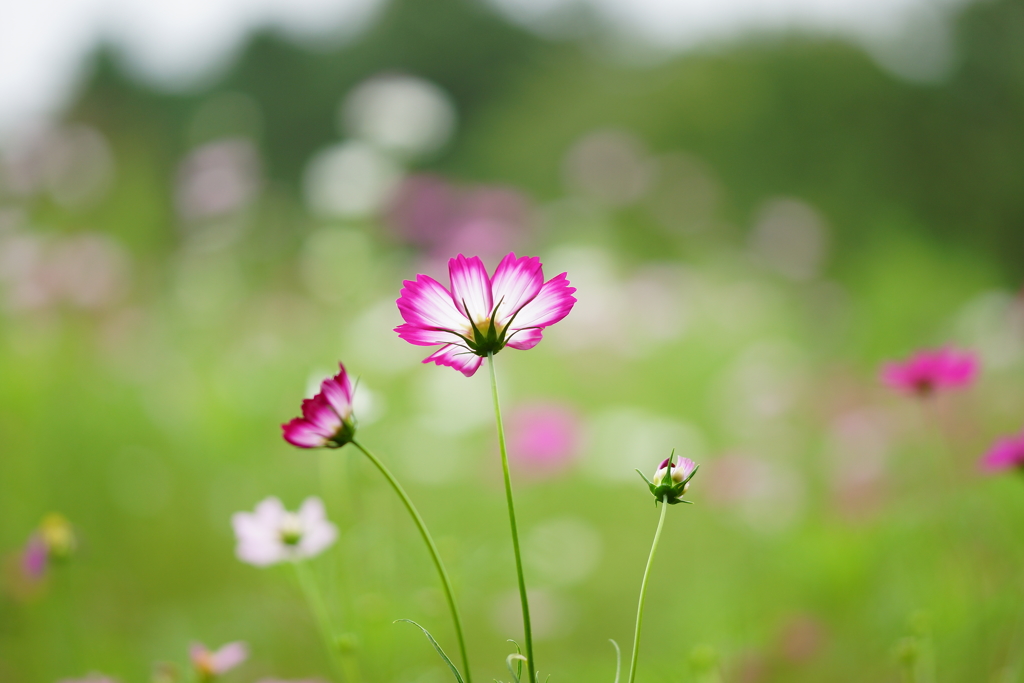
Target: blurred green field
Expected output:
[832,518]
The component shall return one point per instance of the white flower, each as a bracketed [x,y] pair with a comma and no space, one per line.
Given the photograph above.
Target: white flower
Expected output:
[271,534]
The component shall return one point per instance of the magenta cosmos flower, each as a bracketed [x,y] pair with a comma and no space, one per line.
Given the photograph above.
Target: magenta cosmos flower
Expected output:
[271,534]
[929,371]
[1006,453]
[327,420]
[210,664]
[482,314]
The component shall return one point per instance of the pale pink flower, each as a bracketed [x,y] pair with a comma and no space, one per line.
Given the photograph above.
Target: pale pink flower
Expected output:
[91,678]
[1006,453]
[482,314]
[209,664]
[35,557]
[545,436]
[327,420]
[271,534]
[928,371]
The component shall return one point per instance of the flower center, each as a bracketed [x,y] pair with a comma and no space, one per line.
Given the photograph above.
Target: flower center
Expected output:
[290,531]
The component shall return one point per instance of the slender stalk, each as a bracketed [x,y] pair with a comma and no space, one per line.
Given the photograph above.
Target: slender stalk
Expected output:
[446,582]
[643,591]
[528,635]
[344,666]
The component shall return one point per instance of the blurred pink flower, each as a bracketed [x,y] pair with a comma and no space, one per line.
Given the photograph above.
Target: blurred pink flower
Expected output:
[928,371]
[439,218]
[218,178]
[481,314]
[271,534]
[35,557]
[327,420]
[91,678]
[1006,453]
[544,436]
[210,664]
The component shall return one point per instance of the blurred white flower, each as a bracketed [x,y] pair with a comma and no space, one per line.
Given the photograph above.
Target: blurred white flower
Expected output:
[350,180]
[609,166]
[402,114]
[271,534]
[73,163]
[790,238]
[218,178]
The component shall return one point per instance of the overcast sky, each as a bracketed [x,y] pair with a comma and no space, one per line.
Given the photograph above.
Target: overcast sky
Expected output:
[175,43]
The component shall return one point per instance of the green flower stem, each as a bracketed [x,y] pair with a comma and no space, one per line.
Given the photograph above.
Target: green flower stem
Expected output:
[446,582]
[344,663]
[528,635]
[643,591]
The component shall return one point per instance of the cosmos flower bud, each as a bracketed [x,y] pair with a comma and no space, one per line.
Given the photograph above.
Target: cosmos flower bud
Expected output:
[671,480]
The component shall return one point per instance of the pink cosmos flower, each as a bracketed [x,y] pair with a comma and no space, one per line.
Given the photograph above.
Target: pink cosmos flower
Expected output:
[482,314]
[271,534]
[327,420]
[210,664]
[1006,453]
[928,371]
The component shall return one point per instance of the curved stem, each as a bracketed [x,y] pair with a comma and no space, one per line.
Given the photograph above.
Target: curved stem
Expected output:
[643,591]
[446,582]
[344,666]
[528,632]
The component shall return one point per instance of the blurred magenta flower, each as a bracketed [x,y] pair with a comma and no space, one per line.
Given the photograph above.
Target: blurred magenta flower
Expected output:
[928,371]
[35,557]
[482,315]
[1006,453]
[672,480]
[327,420]
[544,437]
[271,534]
[210,664]
[428,212]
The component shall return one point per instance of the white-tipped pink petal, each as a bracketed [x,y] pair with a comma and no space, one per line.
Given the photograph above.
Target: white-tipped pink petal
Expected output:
[318,412]
[471,287]
[458,357]
[424,337]
[424,303]
[524,339]
[337,391]
[229,656]
[300,433]
[515,283]
[552,303]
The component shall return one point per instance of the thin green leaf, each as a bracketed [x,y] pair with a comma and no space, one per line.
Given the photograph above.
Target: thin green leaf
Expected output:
[437,647]
[618,659]
[508,663]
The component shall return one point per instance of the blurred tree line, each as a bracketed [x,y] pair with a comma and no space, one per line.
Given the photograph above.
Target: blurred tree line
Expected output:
[789,115]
